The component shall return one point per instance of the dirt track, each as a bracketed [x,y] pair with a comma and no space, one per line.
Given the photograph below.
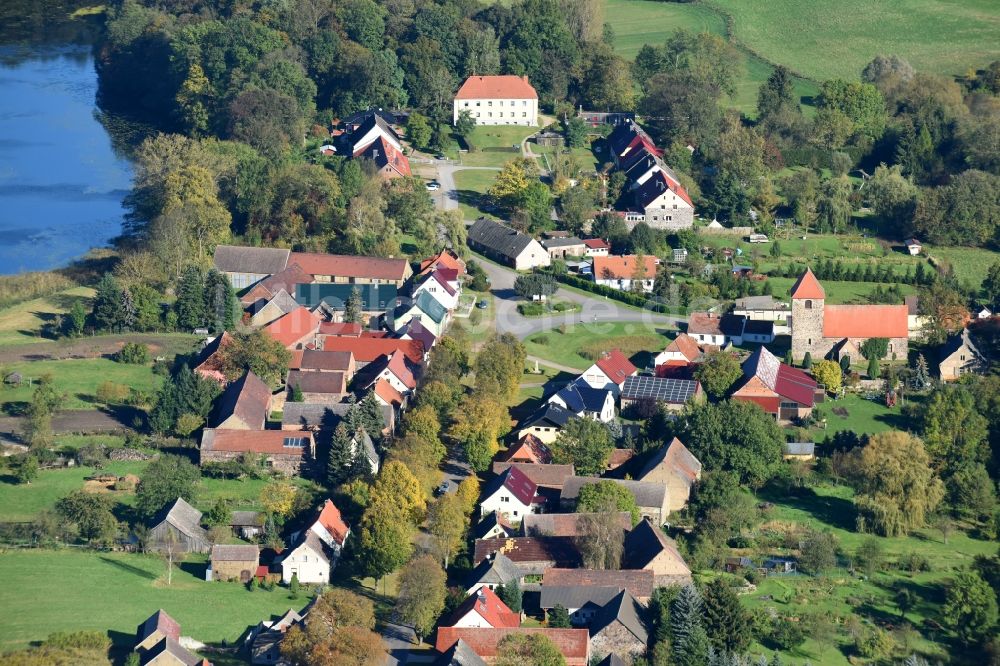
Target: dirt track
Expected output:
[94,347]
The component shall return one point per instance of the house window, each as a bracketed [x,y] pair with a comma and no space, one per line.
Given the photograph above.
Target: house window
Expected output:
[524,103]
[675,206]
[466,105]
[810,341]
[504,498]
[489,114]
[809,306]
[515,513]
[489,103]
[479,103]
[524,114]
[963,357]
[477,114]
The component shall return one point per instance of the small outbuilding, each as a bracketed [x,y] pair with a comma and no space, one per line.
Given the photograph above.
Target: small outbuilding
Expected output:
[234,562]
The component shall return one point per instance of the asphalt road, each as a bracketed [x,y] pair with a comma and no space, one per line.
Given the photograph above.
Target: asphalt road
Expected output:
[447,197]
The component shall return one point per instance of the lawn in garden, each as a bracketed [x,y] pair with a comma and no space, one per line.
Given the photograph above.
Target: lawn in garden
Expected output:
[836,292]
[969,263]
[471,186]
[495,145]
[72,590]
[580,344]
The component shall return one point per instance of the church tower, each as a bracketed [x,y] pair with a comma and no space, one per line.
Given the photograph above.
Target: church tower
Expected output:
[808,299]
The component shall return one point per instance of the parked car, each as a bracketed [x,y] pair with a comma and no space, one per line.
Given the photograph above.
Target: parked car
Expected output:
[483,304]
[433,186]
[443,488]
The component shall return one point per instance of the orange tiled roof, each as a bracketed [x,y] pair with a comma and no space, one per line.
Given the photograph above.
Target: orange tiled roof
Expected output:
[616,366]
[807,286]
[623,267]
[384,390]
[294,326]
[506,86]
[331,519]
[685,345]
[489,606]
[865,321]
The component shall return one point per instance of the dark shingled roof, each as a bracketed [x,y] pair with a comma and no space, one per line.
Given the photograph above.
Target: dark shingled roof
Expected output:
[573,597]
[257,260]
[564,524]
[499,570]
[324,416]
[561,551]
[625,610]
[499,238]
[548,415]
[184,517]
[247,398]
[644,543]
[639,582]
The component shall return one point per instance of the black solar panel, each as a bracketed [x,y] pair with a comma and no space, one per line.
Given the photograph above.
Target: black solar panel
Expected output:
[661,389]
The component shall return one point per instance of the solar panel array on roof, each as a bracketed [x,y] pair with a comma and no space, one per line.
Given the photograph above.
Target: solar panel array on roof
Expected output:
[661,389]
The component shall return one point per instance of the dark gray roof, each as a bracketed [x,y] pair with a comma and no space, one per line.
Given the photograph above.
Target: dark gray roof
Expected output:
[499,238]
[374,297]
[426,304]
[256,260]
[561,242]
[499,570]
[460,654]
[576,596]
[759,303]
[368,121]
[488,523]
[323,416]
[548,414]
[644,543]
[956,342]
[646,494]
[580,397]
[182,516]
[247,519]
[283,301]
[611,660]
[662,389]
[758,327]
[624,609]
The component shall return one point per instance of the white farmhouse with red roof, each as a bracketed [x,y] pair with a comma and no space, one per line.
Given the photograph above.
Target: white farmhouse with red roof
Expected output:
[825,330]
[609,372]
[497,100]
[512,495]
[483,609]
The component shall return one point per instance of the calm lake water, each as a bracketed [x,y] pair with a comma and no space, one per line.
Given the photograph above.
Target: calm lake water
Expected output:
[61,183]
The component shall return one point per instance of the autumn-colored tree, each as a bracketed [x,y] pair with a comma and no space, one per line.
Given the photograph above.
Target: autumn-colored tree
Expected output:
[422,457]
[468,492]
[339,631]
[829,374]
[423,422]
[446,523]
[480,421]
[278,498]
[499,366]
[385,541]
[396,487]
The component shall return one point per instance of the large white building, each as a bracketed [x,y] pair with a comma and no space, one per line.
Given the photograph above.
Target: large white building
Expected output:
[497,100]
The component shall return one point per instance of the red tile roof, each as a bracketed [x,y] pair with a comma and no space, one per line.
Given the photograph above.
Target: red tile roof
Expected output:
[560,551]
[350,266]
[444,259]
[384,390]
[596,243]
[623,267]
[397,366]
[210,366]
[686,346]
[520,486]
[349,330]
[807,286]
[865,321]
[331,519]
[269,286]
[158,621]
[366,350]
[619,457]
[616,366]
[384,154]
[293,327]
[704,323]
[574,644]
[528,449]
[489,606]
[784,380]
[505,86]
[254,441]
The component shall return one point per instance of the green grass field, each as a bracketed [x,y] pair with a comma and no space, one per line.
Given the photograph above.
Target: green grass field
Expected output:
[22,323]
[824,40]
[836,292]
[68,590]
[565,348]
[21,503]
[78,379]
[471,185]
[863,416]
[969,263]
[638,22]
[494,137]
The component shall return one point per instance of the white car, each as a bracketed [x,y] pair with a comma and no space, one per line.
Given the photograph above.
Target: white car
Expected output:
[433,186]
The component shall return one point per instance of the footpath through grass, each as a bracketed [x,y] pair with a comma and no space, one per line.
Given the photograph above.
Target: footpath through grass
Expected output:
[72,590]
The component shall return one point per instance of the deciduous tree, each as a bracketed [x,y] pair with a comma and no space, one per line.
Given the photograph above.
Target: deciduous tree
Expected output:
[607,495]
[718,372]
[970,608]
[256,351]
[584,443]
[164,480]
[528,650]
[421,594]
